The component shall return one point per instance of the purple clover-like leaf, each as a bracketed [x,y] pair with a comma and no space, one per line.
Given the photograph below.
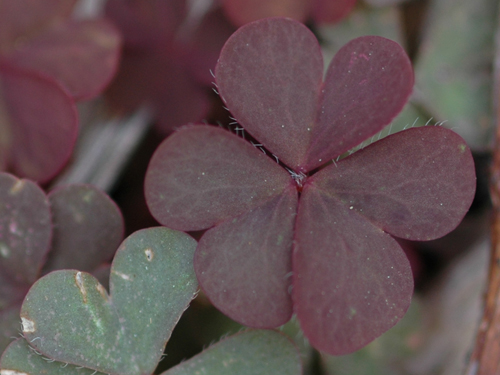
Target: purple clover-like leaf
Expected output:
[274,88]
[351,279]
[42,123]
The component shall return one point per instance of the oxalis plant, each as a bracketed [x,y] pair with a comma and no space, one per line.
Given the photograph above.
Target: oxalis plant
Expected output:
[292,225]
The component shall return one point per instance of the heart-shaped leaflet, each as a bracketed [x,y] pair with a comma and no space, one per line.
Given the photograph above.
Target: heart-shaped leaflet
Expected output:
[68,316]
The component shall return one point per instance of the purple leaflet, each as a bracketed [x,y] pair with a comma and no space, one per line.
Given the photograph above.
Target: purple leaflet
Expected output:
[245,263]
[417,184]
[42,123]
[352,282]
[198,167]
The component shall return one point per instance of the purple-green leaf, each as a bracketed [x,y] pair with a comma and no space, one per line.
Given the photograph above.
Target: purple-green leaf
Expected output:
[243,265]
[201,176]
[246,353]
[351,281]
[417,184]
[83,56]
[42,123]
[124,333]
[88,228]
[25,229]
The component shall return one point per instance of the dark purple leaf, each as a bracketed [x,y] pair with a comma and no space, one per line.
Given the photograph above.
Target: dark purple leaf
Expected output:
[244,264]
[351,281]
[22,19]
[202,175]
[241,12]
[330,11]
[417,184]
[269,74]
[25,229]
[83,56]
[88,228]
[367,84]
[43,123]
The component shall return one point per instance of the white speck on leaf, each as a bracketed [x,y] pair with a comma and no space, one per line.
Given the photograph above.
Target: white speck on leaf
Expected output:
[28,325]
[149,254]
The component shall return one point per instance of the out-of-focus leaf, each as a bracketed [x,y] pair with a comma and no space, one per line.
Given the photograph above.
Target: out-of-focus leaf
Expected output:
[330,11]
[25,229]
[416,184]
[83,56]
[75,320]
[243,265]
[154,79]
[205,43]
[42,122]
[351,281]
[88,228]
[247,353]
[203,175]
[22,19]
[454,69]
[20,359]
[241,12]
[147,23]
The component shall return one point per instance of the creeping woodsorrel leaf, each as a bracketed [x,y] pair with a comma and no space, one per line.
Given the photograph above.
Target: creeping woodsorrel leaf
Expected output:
[68,316]
[246,353]
[241,12]
[327,234]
